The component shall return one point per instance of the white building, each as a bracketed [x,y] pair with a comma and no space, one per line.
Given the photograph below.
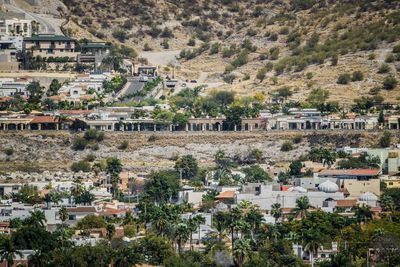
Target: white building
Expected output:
[11,87]
[17,27]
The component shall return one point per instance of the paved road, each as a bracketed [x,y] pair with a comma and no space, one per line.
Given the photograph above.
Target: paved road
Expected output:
[131,88]
[46,23]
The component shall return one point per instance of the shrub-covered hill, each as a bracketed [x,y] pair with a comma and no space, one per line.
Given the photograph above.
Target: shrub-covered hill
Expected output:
[345,47]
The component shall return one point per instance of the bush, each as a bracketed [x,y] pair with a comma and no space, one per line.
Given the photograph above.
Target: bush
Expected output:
[385,140]
[152,138]
[94,135]
[79,143]
[297,139]
[9,151]
[120,35]
[396,49]
[389,83]
[287,146]
[90,157]
[384,68]
[124,145]
[344,78]
[191,42]
[357,76]
[389,58]
[81,166]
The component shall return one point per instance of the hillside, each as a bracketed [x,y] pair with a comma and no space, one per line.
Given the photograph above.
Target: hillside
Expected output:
[260,46]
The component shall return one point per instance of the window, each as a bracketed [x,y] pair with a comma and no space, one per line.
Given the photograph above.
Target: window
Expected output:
[390,183]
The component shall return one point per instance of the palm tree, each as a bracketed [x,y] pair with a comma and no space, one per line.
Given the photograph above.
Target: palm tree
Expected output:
[37,259]
[328,157]
[254,218]
[114,168]
[311,243]
[362,213]
[276,211]
[9,252]
[241,250]
[194,224]
[110,231]
[181,235]
[37,218]
[125,257]
[63,214]
[245,204]
[302,206]
[387,203]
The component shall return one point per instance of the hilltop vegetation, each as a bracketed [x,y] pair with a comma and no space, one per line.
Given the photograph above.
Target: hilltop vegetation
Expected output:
[260,45]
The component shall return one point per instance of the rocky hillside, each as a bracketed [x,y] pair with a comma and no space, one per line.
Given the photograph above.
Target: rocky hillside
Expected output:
[259,46]
[49,151]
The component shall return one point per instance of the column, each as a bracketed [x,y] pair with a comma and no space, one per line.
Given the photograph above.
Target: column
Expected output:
[250,127]
[235,128]
[170,127]
[40,126]
[138,127]
[154,127]
[219,127]
[122,127]
[187,127]
[57,127]
[6,127]
[203,127]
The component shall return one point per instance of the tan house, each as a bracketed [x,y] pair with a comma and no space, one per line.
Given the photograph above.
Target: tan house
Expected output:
[50,45]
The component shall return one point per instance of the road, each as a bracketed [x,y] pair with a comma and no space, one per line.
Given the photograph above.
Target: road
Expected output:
[131,87]
[47,23]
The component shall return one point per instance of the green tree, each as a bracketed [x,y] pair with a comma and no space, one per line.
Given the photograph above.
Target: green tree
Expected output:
[385,139]
[110,231]
[276,211]
[241,250]
[55,85]
[9,252]
[302,206]
[295,168]
[362,213]
[311,243]
[113,169]
[255,173]
[37,218]
[35,92]
[187,165]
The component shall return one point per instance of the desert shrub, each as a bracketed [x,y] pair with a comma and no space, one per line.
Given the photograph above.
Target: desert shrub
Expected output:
[287,146]
[284,30]
[273,37]
[384,68]
[120,35]
[146,47]
[371,56]
[396,49]
[261,74]
[389,83]
[374,91]
[152,138]
[309,75]
[215,47]
[274,53]
[344,78]
[9,151]
[81,166]
[90,157]
[94,135]
[79,143]
[297,139]
[357,76]
[94,146]
[389,58]
[191,42]
[124,145]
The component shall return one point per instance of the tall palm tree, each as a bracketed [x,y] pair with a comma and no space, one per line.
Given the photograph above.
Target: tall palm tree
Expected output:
[181,235]
[9,252]
[194,224]
[328,157]
[37,218]
[302,206]
[276,211]
[241,250]
[114,168]
[254,218]
[311,243]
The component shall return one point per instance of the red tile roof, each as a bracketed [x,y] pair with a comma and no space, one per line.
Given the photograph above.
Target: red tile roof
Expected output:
[226,195]
[109,211]
[44,119]
[344,203]
[82,209]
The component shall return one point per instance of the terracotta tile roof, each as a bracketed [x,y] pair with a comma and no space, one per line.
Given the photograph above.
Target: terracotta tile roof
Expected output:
[44,119]
[4,224]
[344,203]
[75,112]
[110,211]
[351,172]
[226,195]
[4,99]
[82,209]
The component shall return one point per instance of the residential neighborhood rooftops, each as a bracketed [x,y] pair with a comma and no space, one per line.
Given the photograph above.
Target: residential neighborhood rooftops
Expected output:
[44,119]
